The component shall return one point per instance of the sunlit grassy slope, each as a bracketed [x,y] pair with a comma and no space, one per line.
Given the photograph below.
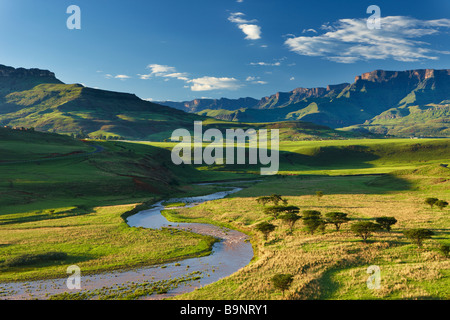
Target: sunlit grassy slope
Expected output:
[331,264]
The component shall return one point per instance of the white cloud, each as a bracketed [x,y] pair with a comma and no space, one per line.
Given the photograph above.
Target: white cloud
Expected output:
[213,83]
[177,75]
[122,77]
[248,27]
[274,64]
[158,69]
[255,80]
[349,40]
[252,31]
[292,78]
[309,30]
[205,83]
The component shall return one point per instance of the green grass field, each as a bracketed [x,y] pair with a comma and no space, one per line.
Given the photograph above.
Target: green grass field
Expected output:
[71,197]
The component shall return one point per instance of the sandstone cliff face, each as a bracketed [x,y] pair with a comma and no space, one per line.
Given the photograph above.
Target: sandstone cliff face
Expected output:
[11,72]
[417,75]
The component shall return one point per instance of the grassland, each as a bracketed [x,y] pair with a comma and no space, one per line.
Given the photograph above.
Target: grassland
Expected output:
[71,197]
[63,198]
[330,264]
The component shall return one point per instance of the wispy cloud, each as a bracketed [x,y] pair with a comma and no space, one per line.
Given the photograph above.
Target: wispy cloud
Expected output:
[206,83]
[122,77]
[255,80]
[248,27]
[213,83]
[273,64]
[349,40]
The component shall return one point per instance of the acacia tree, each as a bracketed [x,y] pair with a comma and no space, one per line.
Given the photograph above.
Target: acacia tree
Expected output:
[312,220]
[431,201]
[275,198]
[418,235]
[263,200]
[282,281]
[386,222]
[266,228]
[319,194]
[441,204]
[290,218]
[337,218]
[277,210]
[364,229]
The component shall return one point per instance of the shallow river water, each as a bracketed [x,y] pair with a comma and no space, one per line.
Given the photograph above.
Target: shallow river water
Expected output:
[230,254]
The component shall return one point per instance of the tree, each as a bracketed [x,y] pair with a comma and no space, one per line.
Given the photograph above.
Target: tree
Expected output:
[441,204]
[263,200]
[431,201]
[319,194]
[275,198]
[418,235]
[276,210]
[282,281]
[290,218]
[364,229]
[337,218]
[386,222]
[266,228]
[312,220]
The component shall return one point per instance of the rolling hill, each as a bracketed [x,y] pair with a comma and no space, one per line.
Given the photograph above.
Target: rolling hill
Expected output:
[33,98]
[400,103]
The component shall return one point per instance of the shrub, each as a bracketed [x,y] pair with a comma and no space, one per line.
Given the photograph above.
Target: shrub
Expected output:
[418,235]
[444,249]
[337,218]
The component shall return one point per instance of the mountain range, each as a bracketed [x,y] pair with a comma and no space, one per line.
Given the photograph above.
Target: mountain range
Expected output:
[399,103]
[34,98]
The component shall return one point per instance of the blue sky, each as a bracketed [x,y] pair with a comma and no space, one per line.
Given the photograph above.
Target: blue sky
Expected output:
[181,50]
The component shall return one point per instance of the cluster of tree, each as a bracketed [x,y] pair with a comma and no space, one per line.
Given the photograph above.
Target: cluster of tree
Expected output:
[314,221]
[441,204]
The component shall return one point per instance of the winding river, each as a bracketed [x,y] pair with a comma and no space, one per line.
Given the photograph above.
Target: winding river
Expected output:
[230,254]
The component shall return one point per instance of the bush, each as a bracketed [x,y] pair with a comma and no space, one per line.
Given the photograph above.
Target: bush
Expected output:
[444,249]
